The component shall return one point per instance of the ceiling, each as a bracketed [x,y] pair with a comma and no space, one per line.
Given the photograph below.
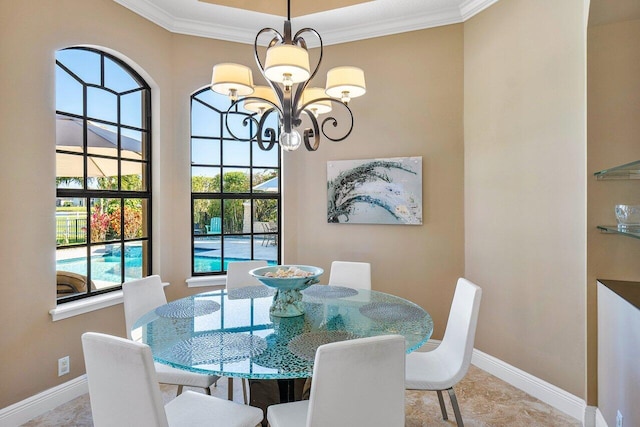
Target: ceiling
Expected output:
[337,21]
[279,7]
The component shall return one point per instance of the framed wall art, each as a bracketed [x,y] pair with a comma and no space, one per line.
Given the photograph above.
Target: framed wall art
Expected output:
[375,191]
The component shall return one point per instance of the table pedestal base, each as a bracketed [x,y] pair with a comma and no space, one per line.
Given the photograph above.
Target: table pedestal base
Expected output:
[287,303]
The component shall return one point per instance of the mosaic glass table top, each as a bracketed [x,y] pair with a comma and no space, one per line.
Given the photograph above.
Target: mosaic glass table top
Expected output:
[233,335]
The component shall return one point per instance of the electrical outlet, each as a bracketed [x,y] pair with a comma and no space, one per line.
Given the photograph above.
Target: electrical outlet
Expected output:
[619,419]
[63,366]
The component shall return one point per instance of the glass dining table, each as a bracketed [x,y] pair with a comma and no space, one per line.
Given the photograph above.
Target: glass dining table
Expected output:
[232,334]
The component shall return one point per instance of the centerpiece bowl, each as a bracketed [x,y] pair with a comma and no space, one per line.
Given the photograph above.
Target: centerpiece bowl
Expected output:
[288,280]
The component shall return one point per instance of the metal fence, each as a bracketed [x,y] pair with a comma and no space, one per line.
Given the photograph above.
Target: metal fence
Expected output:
[70,230]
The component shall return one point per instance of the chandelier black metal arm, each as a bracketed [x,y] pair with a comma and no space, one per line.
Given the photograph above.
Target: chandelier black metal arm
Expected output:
[269,133]
[300,41]
[315,132]
[278,38]
[288,100]
[289,91]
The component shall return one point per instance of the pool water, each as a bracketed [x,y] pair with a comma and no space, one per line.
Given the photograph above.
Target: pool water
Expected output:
[103,268]
[107,268]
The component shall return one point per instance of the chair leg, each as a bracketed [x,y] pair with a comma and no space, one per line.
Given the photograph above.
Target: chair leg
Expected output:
[456,409]
[230,390]
[179,390]
[244,390]
[207,390]
[443,409]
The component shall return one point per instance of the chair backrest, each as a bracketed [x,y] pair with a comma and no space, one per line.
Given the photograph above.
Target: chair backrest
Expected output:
[459,336]
[351,274]
[123,388]
[141,296]
[359,382]
[238,273]
[215,225]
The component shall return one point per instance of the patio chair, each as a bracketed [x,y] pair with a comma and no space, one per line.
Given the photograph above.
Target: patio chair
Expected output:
[271,227]
[215,225]
[68,283]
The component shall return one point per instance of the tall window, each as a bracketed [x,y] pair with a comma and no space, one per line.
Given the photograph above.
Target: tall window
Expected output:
[235,188]
[103,174]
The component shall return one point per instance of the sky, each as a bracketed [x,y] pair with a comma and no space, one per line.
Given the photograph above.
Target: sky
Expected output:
[102,105]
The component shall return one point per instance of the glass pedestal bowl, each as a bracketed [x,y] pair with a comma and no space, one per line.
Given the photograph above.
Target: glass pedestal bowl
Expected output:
[628,217]
[287,302]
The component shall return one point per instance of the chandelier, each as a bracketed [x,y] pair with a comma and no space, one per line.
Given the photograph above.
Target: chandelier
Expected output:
[288,73]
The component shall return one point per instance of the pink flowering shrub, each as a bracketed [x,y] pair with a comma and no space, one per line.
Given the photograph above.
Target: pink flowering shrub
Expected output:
[99,225]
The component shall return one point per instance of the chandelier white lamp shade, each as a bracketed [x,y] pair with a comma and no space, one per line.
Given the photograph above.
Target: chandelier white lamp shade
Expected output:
[263,99]
[232,79]
[345,83]
[287,64]
[287,71]
[312,96]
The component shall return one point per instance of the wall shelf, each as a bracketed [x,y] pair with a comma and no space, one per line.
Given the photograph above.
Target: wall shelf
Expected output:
[627,171]
[614,229]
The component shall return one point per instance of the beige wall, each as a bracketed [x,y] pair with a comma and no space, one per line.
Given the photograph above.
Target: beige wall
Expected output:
[412,108]
[176,65]
[614,103]
[525,189]
[525,157]
[30,33]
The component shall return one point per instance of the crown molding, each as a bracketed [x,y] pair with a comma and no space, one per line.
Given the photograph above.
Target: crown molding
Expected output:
[470,8]
[149,11]
[330,24]
[389,26]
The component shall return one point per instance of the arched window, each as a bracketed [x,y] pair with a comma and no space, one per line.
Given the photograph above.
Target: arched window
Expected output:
[103,173]
[235,189]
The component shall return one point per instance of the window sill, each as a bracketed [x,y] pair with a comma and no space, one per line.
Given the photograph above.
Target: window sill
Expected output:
[196,282]
[87,305]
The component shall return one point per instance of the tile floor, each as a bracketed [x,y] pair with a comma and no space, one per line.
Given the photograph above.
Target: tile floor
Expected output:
[484,401]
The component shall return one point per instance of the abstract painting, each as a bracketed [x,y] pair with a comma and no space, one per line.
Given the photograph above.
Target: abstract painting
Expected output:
[375,191]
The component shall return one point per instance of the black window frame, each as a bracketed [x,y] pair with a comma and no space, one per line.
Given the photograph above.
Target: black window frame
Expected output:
[87,193]
[252,196]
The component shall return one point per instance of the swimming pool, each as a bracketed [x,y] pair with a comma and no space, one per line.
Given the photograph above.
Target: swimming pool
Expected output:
[103,268]
[107,268]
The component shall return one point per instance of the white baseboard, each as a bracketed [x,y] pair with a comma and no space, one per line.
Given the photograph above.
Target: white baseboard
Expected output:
[536,387]
[21,412]
[590,416]
[27,409]
[600,421]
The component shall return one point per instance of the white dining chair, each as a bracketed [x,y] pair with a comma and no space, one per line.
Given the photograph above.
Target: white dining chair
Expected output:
[238,273]
[443,367]
[238,277]
[350,274]
[141,296]
[345,388]
[123,391]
